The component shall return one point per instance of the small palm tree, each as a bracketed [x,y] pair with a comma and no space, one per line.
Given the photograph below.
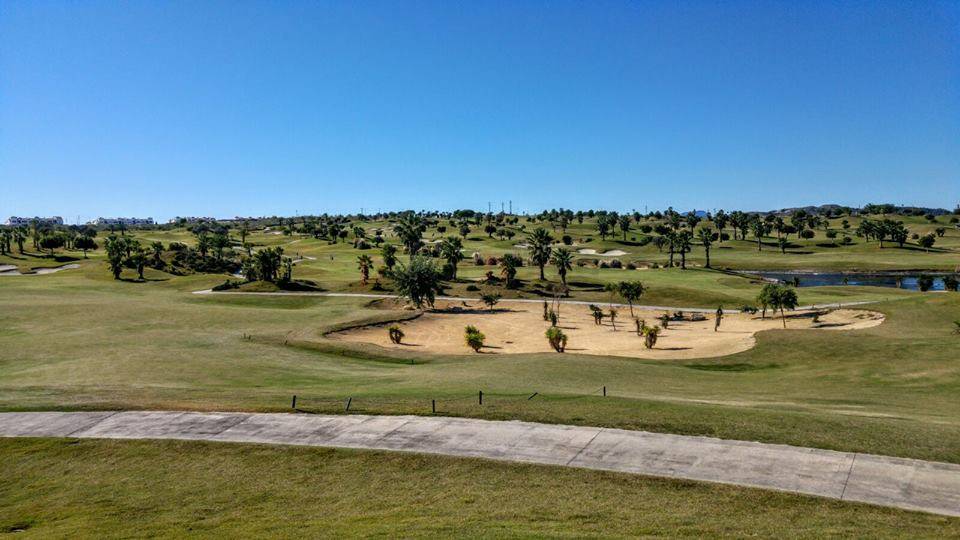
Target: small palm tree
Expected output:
[364,263]
[705,235]
[562,259]
[540,248]
[451,249]
[650,334]
[557,339]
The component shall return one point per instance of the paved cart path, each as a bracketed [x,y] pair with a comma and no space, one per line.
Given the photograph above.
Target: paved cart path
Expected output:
[887,481]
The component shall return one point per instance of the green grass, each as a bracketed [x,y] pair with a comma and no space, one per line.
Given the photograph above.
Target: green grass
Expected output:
[80,340]
[86,488]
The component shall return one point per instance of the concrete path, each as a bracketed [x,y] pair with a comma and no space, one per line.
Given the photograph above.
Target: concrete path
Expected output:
[523,300]
[897,482]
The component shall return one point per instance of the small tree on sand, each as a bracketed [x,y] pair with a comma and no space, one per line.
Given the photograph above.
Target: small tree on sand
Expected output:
[396,334]
[474,338]
[557,339]
[613,318]
[650,334]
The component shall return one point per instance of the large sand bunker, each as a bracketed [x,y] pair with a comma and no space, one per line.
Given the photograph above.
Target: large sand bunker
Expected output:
[519,328]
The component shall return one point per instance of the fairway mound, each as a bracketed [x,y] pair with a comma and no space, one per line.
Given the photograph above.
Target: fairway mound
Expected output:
[514,328]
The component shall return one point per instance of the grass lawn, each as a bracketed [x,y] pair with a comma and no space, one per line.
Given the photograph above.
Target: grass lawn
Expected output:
[80,488]
[80,340]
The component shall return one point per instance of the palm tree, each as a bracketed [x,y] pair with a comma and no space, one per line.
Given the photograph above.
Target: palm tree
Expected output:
[783,297]
[451,249]
[508,267]
[410,231]
[389,254]
[683,244]
[624,223]
[20,236]
[364,262]
[562,259]
[705,235]
[540,248]
[720,219]
[758,227]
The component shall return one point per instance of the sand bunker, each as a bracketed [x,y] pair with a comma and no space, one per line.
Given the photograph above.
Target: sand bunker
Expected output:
[10,270]
[611,253]
[519,328]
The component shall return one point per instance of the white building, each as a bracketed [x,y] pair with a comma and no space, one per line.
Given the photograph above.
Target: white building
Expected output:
[126,222]
[15,221]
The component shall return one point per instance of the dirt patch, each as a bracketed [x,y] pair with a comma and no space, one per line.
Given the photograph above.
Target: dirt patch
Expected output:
[515,328]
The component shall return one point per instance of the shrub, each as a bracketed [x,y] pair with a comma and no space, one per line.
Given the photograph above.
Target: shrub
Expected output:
[363,244]
[925,283]
[493,261]
[748,309]
[567,240]
[616,263]
[478,259]
[807,234]
[582,262]
[226,285]
[474,338]
[724,236]
[472,288]
[631,266]
[650,334]
[490,300]
[396,334]
[557,339]
[847,240]
[950,283]
[603,264]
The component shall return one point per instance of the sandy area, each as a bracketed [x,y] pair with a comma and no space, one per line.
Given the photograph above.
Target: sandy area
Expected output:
[12,270]
[611,253]
[519,328]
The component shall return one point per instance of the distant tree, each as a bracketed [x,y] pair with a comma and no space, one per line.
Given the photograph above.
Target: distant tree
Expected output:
[157,248]
[508,268]
[451,249]
[85,244]
[562,259]
[19,237]
[927,241]
[720,219]
[364,263]
[410,231]
[490,228]
[781,297]
[783,243]
[51,242]
[115,253]
[758,228]
[541,248]
[624,222]
[464,229]
[418,282]
[705,235]
[490,299]
[603,227]
[683,243]
[631,291]
[389,254]
[139,260]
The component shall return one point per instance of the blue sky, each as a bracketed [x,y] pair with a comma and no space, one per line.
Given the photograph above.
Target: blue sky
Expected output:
[248,108]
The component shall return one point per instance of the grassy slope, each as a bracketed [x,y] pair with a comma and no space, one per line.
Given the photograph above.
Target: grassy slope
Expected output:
[81,340]
[71,488]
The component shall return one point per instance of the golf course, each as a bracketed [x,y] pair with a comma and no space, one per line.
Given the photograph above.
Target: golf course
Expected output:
[861,369]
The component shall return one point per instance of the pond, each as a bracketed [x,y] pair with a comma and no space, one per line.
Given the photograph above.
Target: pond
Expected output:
[820,279]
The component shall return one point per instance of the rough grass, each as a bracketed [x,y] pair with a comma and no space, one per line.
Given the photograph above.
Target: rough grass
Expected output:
[105,489]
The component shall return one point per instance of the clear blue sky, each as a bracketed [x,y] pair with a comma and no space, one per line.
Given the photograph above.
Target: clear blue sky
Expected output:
[224,108]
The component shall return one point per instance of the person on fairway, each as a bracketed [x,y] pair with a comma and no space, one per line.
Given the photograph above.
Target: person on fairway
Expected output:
[716,322]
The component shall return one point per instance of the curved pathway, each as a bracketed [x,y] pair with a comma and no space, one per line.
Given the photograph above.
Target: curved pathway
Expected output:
[886,481]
